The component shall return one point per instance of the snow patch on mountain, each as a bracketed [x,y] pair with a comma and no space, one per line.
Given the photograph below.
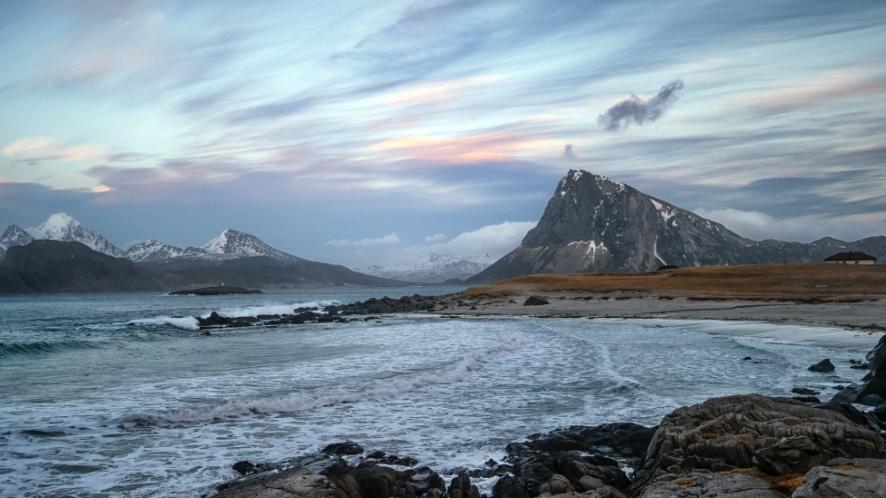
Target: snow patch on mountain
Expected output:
[152,251]
[430,268]
[235,244]
[64,227]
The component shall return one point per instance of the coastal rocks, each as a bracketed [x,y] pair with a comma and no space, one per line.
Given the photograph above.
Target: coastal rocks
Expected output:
[215,291]
[535,301]
[855,478]
[461,487]
[804,391]
[873,384]
[344,448]
[578,456]
[777,436]
[824,365]
[385,305]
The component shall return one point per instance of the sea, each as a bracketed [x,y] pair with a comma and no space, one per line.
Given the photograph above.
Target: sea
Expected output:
[107,395]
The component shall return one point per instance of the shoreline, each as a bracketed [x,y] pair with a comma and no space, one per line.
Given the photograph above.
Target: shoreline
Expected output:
[867,315]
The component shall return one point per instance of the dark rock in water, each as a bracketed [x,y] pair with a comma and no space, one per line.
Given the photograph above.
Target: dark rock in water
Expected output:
[461,487]
[777,436]
[385,305]
[874,383]
[344,448]
[747,358]
[382,457]
[843,477]
[509,487]
[860,366]
[219,290]
[244,467]
[824,365]
[804,391]
[425,480]
[535,301]
[213,320]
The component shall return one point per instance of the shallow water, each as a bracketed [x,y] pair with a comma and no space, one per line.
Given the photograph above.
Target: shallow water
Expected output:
[116,395]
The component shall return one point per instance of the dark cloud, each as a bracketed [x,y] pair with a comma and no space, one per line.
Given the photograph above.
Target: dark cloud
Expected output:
[641,111]
[568,153]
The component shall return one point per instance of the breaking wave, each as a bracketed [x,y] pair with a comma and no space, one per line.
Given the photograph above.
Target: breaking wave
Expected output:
[302,402]
[182,322]
[272,309]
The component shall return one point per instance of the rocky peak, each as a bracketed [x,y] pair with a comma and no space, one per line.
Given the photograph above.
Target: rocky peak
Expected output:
[64,227]
[152,250]
[14,235]
[237,244]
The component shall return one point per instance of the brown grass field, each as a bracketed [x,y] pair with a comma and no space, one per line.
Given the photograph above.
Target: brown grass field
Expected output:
[809,282]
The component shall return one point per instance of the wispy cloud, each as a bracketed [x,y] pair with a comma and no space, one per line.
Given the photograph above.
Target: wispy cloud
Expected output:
[385,240]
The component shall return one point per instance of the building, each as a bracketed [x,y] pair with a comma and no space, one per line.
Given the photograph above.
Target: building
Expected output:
[851,258]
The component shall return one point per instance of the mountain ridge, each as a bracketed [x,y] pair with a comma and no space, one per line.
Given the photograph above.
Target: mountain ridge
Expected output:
[593,224]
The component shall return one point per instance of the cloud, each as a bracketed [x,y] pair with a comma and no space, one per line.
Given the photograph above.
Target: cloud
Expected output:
[43,148]
[640,111]
[437,237]
[485,244]
[569,153]
[753,224]
[389,239]
[27,147]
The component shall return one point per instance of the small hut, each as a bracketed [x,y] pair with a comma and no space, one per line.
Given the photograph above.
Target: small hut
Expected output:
[851,258]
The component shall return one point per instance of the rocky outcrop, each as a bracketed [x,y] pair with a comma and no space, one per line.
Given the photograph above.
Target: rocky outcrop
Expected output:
[704,483]
[218,290]
[775,436]
[872,389]
[535,301]
[845,478]
[385,305]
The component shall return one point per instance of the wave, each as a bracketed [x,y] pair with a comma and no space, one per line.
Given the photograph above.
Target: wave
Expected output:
[303,402]
[272,309]
[42,347]
[182,322]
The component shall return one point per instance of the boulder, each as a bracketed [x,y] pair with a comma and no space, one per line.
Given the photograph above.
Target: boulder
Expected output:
[535,301]
[343,448]
[424,480]
[824,365]
[509,487]
[461,487]
[777,436]
[845,478]
[804,391]
[699,484]
[556,485]
[301,483]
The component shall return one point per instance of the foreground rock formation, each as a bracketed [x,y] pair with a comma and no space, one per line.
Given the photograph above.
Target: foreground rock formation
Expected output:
[745,446]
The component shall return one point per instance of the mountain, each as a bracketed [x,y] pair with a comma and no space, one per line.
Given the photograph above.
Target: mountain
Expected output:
[63,227]
[235,244]
[152,250]
[14,235]
[430,269]
[54,266]
[594,224]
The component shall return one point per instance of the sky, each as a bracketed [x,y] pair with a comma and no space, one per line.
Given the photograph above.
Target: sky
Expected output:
[374,132]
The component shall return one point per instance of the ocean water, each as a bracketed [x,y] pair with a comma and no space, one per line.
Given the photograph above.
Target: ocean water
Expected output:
[119,395]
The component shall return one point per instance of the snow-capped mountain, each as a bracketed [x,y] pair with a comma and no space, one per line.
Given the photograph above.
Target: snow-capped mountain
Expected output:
[431,268]
[63,227]
[14,235]
[150,251]
[235,244]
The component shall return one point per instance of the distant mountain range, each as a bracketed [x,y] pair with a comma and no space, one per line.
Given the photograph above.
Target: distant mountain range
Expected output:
[432,268]
[63,255]
[594,224]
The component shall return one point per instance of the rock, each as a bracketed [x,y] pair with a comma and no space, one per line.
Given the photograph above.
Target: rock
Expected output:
[804,391]
[301,483]
[845,478]
[535,301]
[556,485]
[777,436]
[461,487]
[425,480]
[213,320]
[626,439]
[509,487]
[344,448]
[747,358]
[709,484]
[872,400]
[807,399]
[589,483]
[824,365]
[244,467]
[214,291]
